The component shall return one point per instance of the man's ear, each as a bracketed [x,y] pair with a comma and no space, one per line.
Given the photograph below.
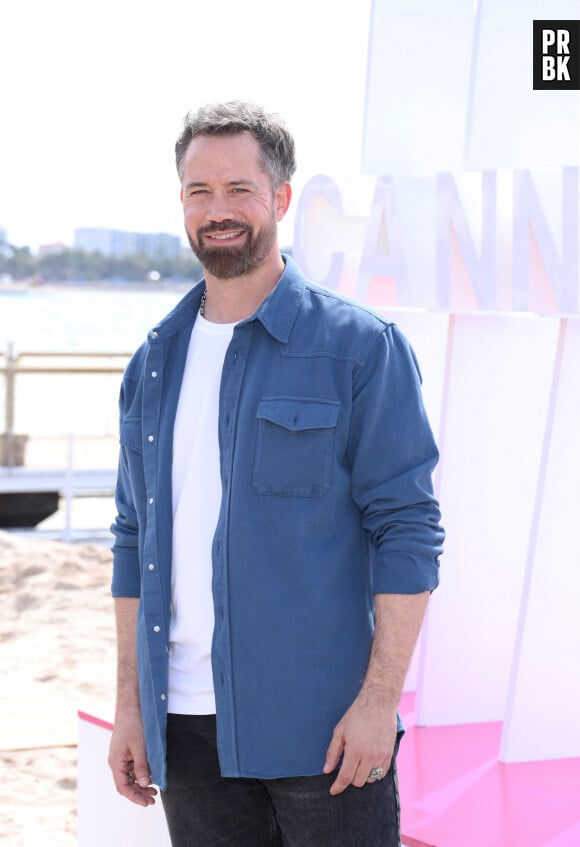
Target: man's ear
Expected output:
[282,199]
[181,195]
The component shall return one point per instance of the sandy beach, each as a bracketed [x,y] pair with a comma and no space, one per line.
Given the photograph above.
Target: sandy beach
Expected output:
[57,655]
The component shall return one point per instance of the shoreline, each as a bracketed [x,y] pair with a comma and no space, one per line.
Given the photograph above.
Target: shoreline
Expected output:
[24,286]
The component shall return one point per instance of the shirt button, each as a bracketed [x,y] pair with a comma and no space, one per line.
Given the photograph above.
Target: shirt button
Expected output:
[151,501]
[153,374]
[155,334]
[156,629]
[151,566]
[150,438]
[163,696]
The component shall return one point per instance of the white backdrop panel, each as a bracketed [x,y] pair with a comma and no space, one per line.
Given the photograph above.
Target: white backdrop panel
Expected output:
[509,125]
[417,86]
[543,716]
[499,383]
[427,333]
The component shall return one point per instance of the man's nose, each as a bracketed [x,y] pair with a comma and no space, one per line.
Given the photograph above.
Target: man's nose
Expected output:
[220,207]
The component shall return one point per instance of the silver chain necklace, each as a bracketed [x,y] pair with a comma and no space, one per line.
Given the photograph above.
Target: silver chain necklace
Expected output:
[202,303]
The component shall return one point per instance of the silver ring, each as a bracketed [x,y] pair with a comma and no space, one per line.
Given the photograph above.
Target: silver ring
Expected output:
[375,773]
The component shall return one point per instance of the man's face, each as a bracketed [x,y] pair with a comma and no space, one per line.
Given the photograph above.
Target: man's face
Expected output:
[230,210]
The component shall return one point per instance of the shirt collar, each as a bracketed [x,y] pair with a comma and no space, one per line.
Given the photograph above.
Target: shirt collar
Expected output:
[279,310]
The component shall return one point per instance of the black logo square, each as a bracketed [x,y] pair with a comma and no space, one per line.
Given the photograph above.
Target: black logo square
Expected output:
[556,55]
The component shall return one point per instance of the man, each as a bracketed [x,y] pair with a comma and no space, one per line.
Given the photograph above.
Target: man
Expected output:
[277,537]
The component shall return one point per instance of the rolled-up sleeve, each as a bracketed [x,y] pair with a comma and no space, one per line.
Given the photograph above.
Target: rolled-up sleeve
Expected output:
[393,454]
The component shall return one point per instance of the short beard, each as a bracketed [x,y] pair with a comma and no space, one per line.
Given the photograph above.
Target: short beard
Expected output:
[231,262]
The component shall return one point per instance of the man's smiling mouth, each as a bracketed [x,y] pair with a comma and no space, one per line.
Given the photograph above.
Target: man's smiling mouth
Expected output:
[224,236]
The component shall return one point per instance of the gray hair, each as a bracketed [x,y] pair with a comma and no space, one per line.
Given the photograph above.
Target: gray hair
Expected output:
[237,116]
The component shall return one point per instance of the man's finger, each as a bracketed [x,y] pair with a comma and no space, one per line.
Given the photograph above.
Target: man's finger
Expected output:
[382,768]
[345,776]
[334,752]
[127,787]
[125,776]
[362,774]
[141,775]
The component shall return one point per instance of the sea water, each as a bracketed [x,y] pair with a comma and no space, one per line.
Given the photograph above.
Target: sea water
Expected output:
[85,319]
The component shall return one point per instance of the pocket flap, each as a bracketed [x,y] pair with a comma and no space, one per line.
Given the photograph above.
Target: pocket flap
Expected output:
[299,413]
[131,433]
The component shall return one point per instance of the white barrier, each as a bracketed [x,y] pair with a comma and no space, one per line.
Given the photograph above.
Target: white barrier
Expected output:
[105,819]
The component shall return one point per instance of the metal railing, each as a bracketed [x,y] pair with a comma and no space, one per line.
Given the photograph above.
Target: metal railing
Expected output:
[70,478]
[14,364]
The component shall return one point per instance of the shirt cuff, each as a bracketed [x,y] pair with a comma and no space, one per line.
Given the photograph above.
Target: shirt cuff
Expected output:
[403,573]
[126,578]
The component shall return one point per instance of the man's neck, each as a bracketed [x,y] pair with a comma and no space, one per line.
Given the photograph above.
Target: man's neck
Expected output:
[233,300]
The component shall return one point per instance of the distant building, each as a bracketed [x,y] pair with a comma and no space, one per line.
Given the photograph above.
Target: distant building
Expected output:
[116,242]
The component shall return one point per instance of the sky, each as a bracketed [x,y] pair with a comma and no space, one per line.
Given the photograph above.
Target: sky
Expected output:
[93,96]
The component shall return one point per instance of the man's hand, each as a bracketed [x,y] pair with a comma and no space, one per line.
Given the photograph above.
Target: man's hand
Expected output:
[366,735]
[128,760]
[368,731]
[127,756]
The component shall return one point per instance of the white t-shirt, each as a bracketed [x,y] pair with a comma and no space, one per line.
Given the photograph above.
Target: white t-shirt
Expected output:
[197,491]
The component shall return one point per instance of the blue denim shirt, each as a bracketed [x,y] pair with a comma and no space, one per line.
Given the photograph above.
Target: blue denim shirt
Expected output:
[326,457]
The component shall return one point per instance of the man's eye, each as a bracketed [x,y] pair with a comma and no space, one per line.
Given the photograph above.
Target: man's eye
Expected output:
[240,190]
[196,191]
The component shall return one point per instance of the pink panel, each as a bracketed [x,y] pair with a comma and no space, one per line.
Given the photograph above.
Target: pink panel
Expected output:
[455,792]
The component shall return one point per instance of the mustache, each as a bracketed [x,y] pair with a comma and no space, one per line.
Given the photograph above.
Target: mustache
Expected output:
[222,226]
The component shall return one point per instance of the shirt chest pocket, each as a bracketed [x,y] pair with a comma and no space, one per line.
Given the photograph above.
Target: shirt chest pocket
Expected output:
[132,455]
[295,446]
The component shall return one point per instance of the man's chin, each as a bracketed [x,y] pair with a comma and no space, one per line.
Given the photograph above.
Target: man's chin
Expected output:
[225,262]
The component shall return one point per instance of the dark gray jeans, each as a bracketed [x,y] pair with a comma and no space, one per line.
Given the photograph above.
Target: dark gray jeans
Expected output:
[204,809]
